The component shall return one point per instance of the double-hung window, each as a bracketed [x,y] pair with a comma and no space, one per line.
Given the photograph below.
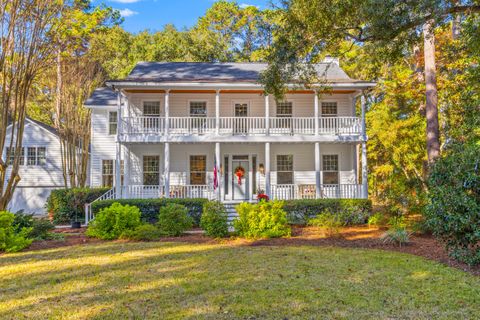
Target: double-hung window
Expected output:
[112,122]
[329,109]
[198,111]
[151,113]
[151,170]
[330,169]
[107,173]
[285,169]
[284,114]
[198,169]
[10,153]
[36,156]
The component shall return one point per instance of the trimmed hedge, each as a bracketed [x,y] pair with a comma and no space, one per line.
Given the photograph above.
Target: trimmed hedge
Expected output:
[301,211]
[151,207]
[69,204]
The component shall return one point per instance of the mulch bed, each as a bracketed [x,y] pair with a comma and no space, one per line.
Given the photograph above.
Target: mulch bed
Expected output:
[350,237]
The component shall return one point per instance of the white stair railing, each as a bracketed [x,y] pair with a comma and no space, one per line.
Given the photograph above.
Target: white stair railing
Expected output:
[110,194]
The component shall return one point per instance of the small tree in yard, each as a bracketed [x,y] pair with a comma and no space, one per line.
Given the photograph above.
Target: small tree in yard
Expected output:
[453,213]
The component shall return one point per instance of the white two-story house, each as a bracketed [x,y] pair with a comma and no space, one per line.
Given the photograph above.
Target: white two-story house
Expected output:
[209,130]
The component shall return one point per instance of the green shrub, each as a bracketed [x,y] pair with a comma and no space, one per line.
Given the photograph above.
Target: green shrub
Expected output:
[174,220]
[11,241]
[144,232]
[352,211]
[329,221]
[453,211]
[151,207]
[69,204]
[22,220]
[377,219]
[261,220]
[41,229]
[111,222]
[214,219]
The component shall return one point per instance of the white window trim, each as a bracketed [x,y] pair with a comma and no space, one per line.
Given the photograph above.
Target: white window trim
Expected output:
[276,166]
[25,156]
[207,158]
[108,122]
[240,101]
[161,111]
[189,101]
[286,100]
[321,164]
[328,101]
[160,167]
[101,171]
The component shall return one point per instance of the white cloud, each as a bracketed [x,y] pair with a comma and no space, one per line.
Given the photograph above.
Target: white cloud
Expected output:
[245,5]
[125,1]
[127,13]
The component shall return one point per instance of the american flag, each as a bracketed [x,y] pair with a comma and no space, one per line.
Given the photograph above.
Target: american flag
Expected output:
[215,174]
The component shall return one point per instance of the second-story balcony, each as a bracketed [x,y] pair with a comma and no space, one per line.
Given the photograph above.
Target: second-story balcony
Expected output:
[241,126]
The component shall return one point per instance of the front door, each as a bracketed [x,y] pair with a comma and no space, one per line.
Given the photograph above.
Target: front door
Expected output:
[240,178]
[241,121]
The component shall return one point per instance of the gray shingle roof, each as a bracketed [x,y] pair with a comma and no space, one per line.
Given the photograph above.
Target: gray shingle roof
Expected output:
[102,97]
[44,126]
[215,72]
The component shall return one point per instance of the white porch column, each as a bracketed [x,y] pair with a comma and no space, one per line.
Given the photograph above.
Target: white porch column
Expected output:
[166,168]
[267,114]
[364,151]
[318,195]
[267,170]
[316,112]
[217,160]
[217,112]
[118,155]
[167,112]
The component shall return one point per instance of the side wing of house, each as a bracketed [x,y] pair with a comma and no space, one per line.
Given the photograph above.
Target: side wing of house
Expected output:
[40,169]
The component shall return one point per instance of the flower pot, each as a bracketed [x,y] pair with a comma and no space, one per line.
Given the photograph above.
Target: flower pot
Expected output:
[76,225]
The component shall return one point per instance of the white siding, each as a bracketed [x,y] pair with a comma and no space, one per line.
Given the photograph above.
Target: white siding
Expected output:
[37,181]
[103,145]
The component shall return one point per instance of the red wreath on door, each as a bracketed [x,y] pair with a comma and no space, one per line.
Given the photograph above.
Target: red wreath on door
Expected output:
[239,173]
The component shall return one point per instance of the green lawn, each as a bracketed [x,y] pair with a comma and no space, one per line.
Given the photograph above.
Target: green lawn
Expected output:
[198,281]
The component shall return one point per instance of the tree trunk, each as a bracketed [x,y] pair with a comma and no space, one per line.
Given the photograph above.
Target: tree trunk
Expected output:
[431,106]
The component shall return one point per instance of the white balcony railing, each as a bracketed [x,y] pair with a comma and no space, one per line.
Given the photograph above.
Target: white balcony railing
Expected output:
[191,125]
[251,126]
[307,191]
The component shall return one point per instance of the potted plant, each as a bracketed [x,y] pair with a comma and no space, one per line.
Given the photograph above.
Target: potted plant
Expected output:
[261,196]
[75,223]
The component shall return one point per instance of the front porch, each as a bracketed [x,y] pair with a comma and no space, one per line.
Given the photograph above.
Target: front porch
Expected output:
[238,172]
[278,192]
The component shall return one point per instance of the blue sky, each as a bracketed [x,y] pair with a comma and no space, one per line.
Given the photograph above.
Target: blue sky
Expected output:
[154,14]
